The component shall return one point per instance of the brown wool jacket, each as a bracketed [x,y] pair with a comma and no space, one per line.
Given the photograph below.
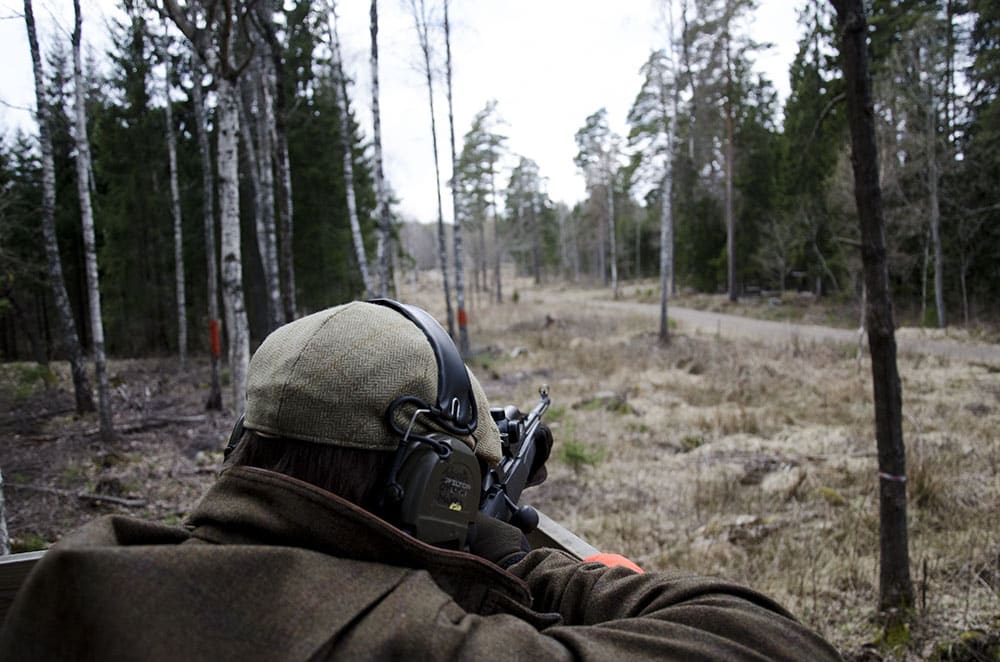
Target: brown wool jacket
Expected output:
[271,568]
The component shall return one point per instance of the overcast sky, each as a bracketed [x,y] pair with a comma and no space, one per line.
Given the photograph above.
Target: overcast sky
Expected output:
[549,64]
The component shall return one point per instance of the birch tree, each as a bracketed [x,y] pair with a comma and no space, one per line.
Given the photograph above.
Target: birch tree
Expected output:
[83,170]
[383,220]
[262,164]
[265,141]
[175,204]
[214,44]
[895,585]
[71,341]
[463,330]
[274,71]
[259,168]
[340,84]
[4,536]
[421,21]
[214,401]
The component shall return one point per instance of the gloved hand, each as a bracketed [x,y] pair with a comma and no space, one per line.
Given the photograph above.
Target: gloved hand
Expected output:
[543,446]
[497,541]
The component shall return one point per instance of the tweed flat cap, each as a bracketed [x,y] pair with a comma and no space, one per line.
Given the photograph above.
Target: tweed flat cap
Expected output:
[329,378]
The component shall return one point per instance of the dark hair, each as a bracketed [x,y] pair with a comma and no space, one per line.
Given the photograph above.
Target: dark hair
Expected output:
[356,474]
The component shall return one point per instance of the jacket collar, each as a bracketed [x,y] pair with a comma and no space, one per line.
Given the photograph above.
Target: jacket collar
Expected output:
[248,505]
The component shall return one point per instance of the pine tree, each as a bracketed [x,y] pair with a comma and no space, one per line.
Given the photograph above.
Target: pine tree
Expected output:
[715,53]
[525,204]
[483,147]
[653,122]
[598,151]
[977,230]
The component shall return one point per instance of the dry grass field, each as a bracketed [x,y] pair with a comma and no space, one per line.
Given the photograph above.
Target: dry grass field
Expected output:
[750,460]
[757,462]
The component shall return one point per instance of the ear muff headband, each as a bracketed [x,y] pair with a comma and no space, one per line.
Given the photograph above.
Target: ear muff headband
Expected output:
[433,486]
[455,408]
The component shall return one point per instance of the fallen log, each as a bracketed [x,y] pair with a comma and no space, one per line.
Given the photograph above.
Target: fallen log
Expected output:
[83,496]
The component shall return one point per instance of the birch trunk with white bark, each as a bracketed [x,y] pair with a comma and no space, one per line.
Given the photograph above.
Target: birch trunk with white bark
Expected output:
[232,261]
[265,164]
[81,382]
[666,211]
[216,50]
[264,234]
[4,536]
[934,217]
[83,170]
[275,79]
[420,19]
[382,248]
[667,229]
[463,329]
[345,139]
[497,246]
[175,211]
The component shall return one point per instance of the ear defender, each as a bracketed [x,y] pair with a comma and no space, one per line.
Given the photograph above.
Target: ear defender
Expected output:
[435,482]
[440,495]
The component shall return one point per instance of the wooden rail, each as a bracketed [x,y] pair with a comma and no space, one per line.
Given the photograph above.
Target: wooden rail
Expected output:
[14,568]
[552,534]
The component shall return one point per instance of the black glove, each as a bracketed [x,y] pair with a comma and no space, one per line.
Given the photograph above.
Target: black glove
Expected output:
[497,541]
[543,446]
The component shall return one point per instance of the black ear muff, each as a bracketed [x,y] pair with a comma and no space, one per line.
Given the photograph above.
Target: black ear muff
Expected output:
[440,495]
[434,484]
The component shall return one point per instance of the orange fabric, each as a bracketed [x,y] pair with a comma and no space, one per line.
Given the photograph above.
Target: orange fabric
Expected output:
[612,560]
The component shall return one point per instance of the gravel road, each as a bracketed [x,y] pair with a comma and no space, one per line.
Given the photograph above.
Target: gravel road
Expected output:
[733,326]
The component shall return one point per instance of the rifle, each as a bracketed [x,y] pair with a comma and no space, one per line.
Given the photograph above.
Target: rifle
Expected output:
[526,444]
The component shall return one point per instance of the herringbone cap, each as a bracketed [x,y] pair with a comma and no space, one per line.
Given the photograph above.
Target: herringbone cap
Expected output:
[329,377]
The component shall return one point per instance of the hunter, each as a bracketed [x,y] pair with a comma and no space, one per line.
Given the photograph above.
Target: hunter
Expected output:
[298,552]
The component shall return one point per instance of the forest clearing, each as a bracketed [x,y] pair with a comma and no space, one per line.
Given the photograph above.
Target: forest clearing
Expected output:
[745,459]
[206,173]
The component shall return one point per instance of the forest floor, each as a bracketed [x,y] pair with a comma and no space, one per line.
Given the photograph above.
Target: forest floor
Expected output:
[752,459]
